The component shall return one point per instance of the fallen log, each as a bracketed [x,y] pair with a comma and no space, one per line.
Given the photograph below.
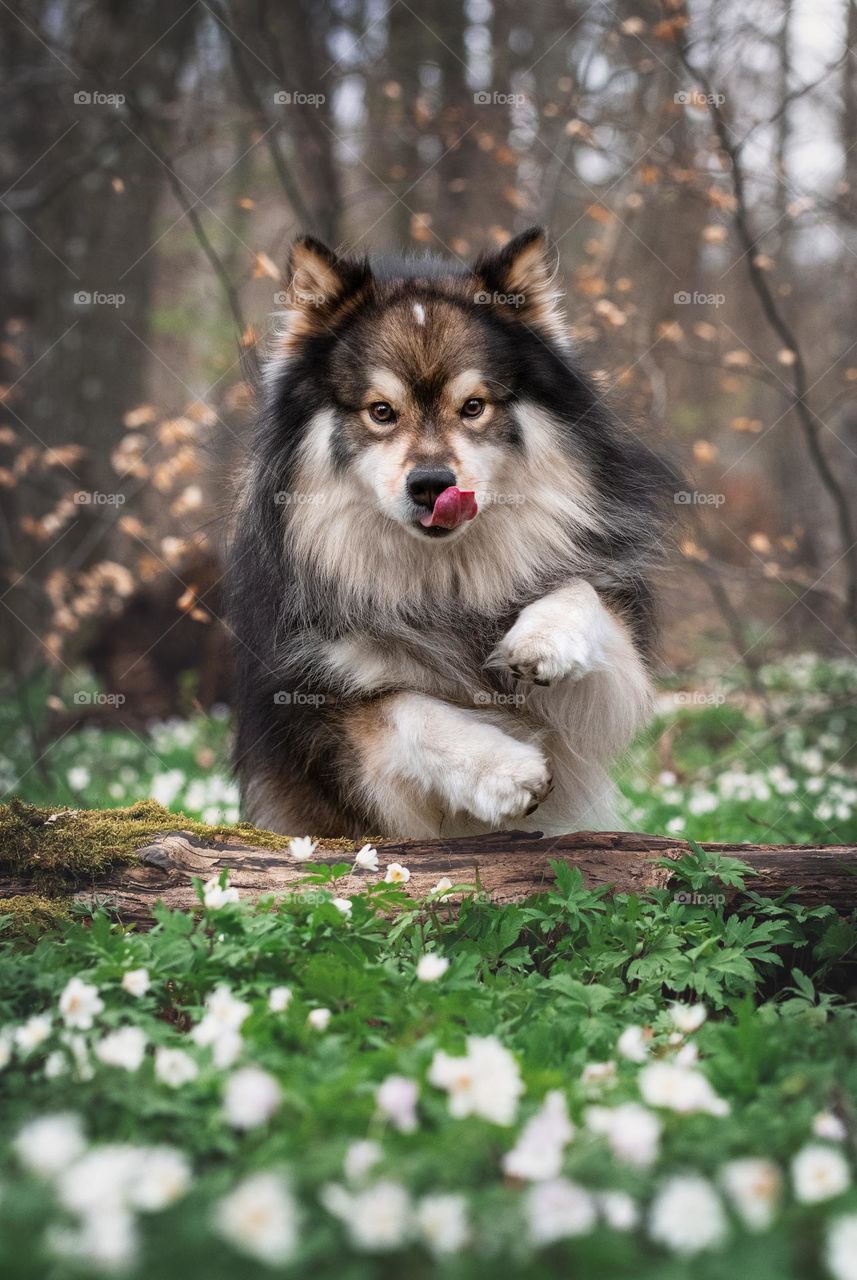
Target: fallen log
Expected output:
[504,867]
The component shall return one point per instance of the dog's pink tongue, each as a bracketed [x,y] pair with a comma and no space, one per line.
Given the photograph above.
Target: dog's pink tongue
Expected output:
[451,508]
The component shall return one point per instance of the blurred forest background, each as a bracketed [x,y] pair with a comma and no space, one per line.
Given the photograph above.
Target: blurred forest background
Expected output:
[696,165]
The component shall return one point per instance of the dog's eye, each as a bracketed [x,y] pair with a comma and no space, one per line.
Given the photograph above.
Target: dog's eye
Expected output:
[472,408]
[382,412]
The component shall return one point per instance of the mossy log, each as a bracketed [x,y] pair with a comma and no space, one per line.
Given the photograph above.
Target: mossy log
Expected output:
[129,859]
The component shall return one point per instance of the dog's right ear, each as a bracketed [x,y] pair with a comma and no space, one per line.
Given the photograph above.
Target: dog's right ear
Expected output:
[320,283]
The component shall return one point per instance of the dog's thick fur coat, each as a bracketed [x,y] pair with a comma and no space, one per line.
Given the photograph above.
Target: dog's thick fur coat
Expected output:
[427,682]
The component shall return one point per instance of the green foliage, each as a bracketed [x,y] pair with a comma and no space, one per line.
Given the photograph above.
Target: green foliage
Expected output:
[556,979]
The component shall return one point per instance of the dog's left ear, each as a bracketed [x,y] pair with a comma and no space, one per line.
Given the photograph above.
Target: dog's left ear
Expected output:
[518,282]
[320,283]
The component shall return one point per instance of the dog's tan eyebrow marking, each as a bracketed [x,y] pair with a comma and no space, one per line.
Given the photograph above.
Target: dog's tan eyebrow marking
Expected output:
[384,385]
[465,386]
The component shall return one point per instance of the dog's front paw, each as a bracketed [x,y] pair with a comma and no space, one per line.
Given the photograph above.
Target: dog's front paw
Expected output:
[506,785]
[545,656]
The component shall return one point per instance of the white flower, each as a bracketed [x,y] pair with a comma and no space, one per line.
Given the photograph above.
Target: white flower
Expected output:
[367,858]
[136,982]
[679,1088]
[216,895]
[397,874]
[537,1155]
[618,1209]
[753,1188]
[485,1082]
[251,1097]
[78,777]
[841,1250]
[397,1099]
[360,1157]
[33,1033]
[161,1178]
[106,1240]
[819,1173]
[687,1216]
[99,1181]
[598,1073]
[319,1019]
[827,1125]
[377,1219]
[175,1067]
[123,1048]
[633,1044]
[260,1217]
[79,1004]
[443,886]
[279,999]
[431,966]
[558,1209]
[442,1223]
[301,849]
[343,906]
[77,1047]
[676,824]
[226,1049]
[688,1054]
[633,1133]
[219,1029]
[688,1017]
[48,1145]
[56,1065]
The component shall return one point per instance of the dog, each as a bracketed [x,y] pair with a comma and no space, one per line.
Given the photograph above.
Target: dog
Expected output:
[441,557]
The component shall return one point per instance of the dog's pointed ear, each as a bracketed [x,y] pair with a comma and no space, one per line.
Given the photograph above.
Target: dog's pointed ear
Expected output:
[320,283]
[518,281]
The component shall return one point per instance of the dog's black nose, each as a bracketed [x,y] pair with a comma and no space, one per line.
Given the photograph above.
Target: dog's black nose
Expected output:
[425,484]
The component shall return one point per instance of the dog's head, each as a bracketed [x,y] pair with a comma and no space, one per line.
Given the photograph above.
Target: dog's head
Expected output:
[415,371]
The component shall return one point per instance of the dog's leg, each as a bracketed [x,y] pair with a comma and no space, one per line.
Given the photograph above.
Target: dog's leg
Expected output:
[422,760]
[600,695]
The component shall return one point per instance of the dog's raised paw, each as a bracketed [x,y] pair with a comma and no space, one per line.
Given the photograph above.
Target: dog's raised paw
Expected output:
[543,657]
[509,785]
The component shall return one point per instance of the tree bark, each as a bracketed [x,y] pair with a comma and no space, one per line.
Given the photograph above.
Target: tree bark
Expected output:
[504,867]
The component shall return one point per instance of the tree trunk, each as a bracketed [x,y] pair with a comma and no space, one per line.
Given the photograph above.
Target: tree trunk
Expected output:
[503,867]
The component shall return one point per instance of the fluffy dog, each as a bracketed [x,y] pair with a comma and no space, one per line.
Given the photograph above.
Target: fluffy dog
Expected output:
[439,568]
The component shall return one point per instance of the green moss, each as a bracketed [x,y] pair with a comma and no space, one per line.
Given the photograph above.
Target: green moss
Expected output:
[53,848]
[32,913]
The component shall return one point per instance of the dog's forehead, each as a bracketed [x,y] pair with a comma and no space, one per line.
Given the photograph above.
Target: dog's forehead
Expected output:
[426,342]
